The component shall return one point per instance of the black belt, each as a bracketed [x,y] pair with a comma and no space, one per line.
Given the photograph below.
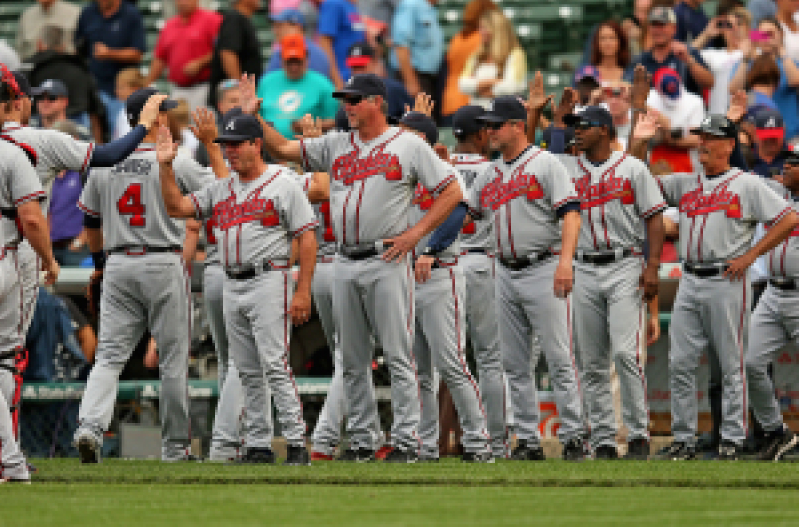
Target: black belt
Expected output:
[362,251]
[517,264]
[473,251]
[603,258]
[786,284]
[705,271]
[249,271]
[141,250]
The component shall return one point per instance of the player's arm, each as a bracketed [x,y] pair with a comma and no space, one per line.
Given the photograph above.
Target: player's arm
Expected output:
[564,274]
[110,154]
[190,241]
[319,188]
[278,146]
[177,205]
[650,278]
[37,232]
[774,236]
[671,229]
[204,129]
[301,303]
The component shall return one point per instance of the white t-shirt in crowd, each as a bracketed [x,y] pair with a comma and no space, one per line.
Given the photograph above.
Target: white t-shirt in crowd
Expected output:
[791,40]
[685,112]
[721,63]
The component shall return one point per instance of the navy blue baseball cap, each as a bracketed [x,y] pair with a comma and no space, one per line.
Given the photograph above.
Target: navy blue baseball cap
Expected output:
[52,87]
[364,84]
[137,100]
[238,128]
[421,123]
[505,108]
[595,115]
[466,121]
[292,16]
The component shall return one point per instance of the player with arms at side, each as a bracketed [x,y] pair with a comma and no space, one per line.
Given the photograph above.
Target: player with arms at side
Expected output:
[258,210]
[145,285]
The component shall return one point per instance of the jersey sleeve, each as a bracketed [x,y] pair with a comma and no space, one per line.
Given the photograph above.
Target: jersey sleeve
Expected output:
[649,199]
[203,200]
[304,180]
[191,176]
[25,184]
[557,182]
[317,153]
[430,170]
[89,201]
[68,153]
[762,204]
[671,186]
[297,211]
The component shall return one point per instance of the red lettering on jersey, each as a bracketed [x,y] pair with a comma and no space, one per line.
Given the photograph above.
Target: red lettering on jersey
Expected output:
[498,193]
[423,198]
[349,169]
[607,190]
[229,214]
[697,203]
[324,209]
[469,228]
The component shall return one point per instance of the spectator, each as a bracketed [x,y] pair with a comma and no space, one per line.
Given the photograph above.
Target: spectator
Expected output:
[786,13]
[676,146]
[237,49]
[227,97]
[616,96]
[669,53]
[128,81]
[418,46]
[761,9]
[784,96]
[185,47]
[378,10]
[635,27]
[461,47]
[610,52]
[691,20]
[499,67]
[586,80]
[52,101]
[9,57]
[769,140]
[293,92]
[111,34]
[340,26]
[58,13]
[361,59]
[290,22]
[762,81]
[278,6]
[721,61]
[52,62]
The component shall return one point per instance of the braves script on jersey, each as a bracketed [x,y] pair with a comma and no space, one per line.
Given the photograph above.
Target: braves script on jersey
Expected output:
[706,206]
[523,197]
[373,183]
[128,198]
[477,235]
[614,199]
[246,214]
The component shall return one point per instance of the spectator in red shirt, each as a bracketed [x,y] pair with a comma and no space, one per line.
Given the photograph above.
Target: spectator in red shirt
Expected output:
[185,47]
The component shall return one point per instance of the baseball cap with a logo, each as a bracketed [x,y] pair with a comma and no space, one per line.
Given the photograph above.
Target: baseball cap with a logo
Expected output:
[667,82]
[587,73]
[293,47]
[662,15]
[466,121]
[359,55]
[718,126]
[53,87]
[137,100]
[365,85]
[240,128]
[769,124]
[593,115]
[505,108]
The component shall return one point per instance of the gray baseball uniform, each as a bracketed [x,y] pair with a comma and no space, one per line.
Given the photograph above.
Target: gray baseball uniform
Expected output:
[18,185]
[523,197]
[55,151]
[718,217]
[255,221]
[439,339]
[372,186]
[616,199]
[774,322]
[145,285]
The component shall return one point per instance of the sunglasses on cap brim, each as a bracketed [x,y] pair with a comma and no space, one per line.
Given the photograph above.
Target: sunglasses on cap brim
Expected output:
[585,125]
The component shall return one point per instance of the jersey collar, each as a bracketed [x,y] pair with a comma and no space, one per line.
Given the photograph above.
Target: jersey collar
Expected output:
[513,161]
[11,125]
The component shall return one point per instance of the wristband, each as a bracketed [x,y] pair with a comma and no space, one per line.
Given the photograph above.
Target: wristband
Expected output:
[98,259]
[428,251]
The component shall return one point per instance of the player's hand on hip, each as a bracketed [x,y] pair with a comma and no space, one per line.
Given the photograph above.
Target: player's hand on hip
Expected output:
[51,270]
[204,127]
[151,110]
[423,268]
[564,279]
[652,329]
[399,246]
[300,309]
[165,149]
[649,282]
[736,269]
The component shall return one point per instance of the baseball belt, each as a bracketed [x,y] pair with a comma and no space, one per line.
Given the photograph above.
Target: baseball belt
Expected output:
[141,250]
[705,270]
[517,264]
[603,257]
[362,251]
[247,272]
[786,284]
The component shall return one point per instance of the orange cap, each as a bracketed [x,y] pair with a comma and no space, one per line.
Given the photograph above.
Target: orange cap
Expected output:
[292,47]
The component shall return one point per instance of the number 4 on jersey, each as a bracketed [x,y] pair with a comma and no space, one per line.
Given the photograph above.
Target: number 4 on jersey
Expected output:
[130,204]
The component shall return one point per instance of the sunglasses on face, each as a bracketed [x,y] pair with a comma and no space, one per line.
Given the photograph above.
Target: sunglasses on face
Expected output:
[352,99]
[585,125]
[491,125]
[50,98]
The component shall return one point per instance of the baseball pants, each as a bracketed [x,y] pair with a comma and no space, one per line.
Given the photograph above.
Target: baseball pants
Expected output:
[327,433]
[709,314]
[140,292]
[371,296]
[482,332]
[29,281]
[259,334]
[526,302]
[775,323]
[610,315]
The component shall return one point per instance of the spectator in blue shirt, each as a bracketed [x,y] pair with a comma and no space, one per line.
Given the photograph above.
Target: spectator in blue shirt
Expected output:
[110,34]
[669,53]
[361,59]
[691,20]
[340,26]
[290,22]
[418,46]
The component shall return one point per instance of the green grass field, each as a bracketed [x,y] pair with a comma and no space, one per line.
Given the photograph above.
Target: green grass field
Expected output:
[149,493]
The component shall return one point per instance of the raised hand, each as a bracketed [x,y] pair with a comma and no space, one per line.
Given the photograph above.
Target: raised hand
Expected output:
[642,81]
[423,104]
[738,104]
[537,98]
[151,110]
[204,127]
[568,100]
[250,103]
[646,127]
[309,127]
[165,149]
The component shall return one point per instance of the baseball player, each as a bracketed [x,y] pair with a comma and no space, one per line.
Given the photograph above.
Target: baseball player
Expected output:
[145,285]
[621,208]
[477,261]
[536,217]
[55,152]
[440,332]
[258,210]
[20,213]
[773,324]
[719,207]
[374,172]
